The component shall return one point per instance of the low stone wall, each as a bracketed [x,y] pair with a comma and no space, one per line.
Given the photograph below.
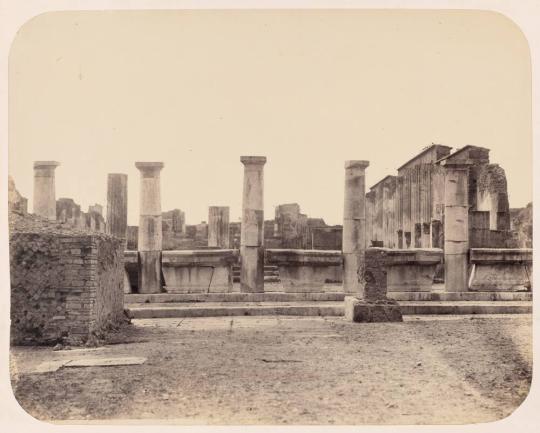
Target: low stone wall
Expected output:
[199,271]
[64,287]
[306,270]
[500,269]
[412,270]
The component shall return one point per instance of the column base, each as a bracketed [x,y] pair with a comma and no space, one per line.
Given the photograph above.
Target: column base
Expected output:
[363,311]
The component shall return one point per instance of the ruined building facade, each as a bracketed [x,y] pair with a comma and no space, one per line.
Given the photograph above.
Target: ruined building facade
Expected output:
[408,210]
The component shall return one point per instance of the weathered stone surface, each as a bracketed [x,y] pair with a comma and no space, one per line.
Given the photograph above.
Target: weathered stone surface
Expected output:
[149,272]
[150,236]
[503,269]
[117,205]
[218,226]
[362,311]
[16,202]
[304,270]
[456,227]
[66,285]
[252,229]
[412,269]
[105,362]
[45,189]
[354,241]
[205,271]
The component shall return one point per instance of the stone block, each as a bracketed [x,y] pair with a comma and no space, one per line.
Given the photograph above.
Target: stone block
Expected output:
[304,270]
[198,271]
[362,311]
[500,269]
[412,270]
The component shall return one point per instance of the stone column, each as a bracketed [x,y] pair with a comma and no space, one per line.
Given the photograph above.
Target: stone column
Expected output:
[354,222]
[117,205]
[150,230]
[456,227]
[117,213]
[218,227]
[44,189]
[252,229]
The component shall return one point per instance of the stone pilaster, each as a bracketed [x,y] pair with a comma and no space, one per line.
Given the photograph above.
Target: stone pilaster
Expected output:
[44,189]
[252,229]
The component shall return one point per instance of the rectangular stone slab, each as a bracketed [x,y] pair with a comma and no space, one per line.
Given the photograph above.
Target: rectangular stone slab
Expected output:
[105,362]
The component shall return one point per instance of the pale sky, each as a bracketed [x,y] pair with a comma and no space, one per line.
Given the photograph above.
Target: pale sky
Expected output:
[98,91]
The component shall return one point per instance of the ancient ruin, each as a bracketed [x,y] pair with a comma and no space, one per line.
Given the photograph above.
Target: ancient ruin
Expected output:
[442,225]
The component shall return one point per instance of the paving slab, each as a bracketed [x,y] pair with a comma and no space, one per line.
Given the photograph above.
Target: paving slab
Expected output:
[104,362]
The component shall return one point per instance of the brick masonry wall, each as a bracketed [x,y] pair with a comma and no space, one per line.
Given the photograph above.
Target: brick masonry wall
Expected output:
[65,287]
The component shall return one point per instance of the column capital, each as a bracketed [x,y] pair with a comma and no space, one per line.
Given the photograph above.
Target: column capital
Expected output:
[149,168]
[356,164]
[253,160]
[46,164]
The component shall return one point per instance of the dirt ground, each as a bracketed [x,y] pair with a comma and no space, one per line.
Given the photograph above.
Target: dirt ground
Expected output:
[284,370]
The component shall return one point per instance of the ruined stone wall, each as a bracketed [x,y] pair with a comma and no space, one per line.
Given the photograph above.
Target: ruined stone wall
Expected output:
[67,211]
[16,202]
[407,211]
[66,285]
[492,195]
[521,225]
[327,238]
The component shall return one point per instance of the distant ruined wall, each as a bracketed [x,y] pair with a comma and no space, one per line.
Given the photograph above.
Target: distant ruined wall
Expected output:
[67,211]
[16,202]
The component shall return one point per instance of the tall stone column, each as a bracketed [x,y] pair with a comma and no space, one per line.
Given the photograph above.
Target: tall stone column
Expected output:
[44,189]
[218,226]
[117,213]
[117,205]
[354,227]
[456,227]
[252,233]
[150,230]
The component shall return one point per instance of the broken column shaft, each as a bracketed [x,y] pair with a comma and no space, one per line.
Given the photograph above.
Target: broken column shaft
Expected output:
[117,205]
[150,230]
[218,226]
[252,229]
[117,213]
[44,189]
[354,225]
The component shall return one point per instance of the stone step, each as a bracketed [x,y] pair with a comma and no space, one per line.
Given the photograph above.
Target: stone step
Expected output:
[231,297]
[321,308]
[267,279]
[336,295]
[461,296]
